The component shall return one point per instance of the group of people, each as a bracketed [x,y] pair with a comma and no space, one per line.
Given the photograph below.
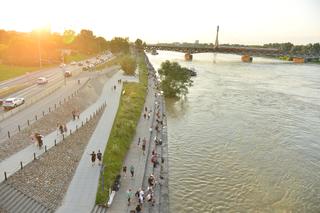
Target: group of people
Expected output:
[75,114]
[37,139]
[147,114]
[61,128]
[124,170]
[148,195]
[144,196]
[95,156]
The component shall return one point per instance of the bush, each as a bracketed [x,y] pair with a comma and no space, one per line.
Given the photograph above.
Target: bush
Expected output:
[128,65]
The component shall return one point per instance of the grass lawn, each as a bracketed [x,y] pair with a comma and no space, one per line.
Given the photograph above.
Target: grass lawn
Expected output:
[7,72]
[123,130]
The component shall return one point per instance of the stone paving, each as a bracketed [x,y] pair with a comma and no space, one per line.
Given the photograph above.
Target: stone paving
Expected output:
[46,180]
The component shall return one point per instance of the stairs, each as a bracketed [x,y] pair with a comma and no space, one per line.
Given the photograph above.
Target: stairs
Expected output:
[14,201]
[99,209]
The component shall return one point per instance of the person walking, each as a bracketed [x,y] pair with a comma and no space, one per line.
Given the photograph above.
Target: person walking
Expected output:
[144,142]
[138,208]
[65,129]
[132,170]
[93,158]
[73,114]
[99,156]
[129,195]
[124,170]
[139,141]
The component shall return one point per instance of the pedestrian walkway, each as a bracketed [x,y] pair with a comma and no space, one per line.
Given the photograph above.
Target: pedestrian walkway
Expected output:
[136,158]
[82,190]
[13,163]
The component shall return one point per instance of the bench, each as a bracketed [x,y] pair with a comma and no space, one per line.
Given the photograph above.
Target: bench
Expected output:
[111,197]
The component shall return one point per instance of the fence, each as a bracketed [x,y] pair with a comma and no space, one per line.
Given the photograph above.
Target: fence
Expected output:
[53,143]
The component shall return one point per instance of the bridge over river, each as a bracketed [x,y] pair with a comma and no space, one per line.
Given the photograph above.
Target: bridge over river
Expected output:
[245,52]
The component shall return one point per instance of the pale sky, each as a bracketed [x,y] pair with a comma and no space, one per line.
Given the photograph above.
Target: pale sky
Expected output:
[241,21]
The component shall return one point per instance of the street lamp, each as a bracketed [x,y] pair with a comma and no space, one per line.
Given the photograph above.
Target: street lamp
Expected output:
[39,48]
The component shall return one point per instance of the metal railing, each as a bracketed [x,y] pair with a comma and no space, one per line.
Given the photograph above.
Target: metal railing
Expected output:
[54,143]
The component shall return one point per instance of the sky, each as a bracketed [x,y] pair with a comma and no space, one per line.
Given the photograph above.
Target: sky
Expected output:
[240,21]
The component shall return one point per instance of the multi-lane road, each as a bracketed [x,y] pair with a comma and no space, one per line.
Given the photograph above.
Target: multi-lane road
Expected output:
[37,98]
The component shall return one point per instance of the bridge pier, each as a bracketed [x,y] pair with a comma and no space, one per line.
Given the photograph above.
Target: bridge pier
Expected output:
[246,58]
[188,57]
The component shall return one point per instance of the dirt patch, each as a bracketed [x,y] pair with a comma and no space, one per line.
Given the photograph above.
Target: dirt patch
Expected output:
[47,124]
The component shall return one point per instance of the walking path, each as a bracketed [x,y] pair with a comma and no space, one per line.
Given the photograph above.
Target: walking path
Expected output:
[136,158]
[25,156]
[82,190]
[142,163]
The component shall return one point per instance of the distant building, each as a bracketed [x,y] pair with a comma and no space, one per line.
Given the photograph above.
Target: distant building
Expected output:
[196,42]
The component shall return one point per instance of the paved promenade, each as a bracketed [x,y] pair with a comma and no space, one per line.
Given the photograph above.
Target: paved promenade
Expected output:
[82,190]
[12,163]
[142,163]
[136,158]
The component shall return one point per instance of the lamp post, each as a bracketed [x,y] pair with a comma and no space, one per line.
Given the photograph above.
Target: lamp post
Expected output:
[39,48]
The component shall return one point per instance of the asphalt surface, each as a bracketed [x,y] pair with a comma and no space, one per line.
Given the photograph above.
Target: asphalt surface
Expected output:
[37,108]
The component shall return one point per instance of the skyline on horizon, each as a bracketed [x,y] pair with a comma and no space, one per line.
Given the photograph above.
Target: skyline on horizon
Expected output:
[274,22]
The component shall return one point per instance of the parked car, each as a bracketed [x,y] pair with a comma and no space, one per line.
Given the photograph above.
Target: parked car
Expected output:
[73,63]
[67,73]
[10,103]
[42,80]
[80,64]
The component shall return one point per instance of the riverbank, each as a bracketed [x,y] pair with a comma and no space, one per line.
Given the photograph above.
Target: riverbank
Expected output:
[151,126]
[123,130]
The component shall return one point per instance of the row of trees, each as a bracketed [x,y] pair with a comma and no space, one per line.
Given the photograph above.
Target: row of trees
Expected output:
[309,49]
[26,49]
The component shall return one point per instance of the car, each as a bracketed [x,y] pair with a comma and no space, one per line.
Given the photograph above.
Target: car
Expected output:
[67,73]
[42,80]
[80,64]
[11,103]
[62,65]
[73,63]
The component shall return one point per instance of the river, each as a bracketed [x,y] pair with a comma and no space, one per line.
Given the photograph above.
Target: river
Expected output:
[246,138]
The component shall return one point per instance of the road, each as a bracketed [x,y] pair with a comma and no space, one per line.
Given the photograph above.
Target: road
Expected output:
[55,78]
[49,73]
[28,113]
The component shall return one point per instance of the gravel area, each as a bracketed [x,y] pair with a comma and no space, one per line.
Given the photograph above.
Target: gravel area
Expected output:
[47,179]
[45,125]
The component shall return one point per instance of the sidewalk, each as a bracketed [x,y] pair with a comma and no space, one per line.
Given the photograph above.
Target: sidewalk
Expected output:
[12,164]
[136,158]
[82,190]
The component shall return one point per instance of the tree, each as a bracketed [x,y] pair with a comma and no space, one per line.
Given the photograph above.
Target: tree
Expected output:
[138,43]
[68,37]
[128,64]
[175,79]
[119,44]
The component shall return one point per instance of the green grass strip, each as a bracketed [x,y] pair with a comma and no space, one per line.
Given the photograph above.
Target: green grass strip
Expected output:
[7,71]
[123,130]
